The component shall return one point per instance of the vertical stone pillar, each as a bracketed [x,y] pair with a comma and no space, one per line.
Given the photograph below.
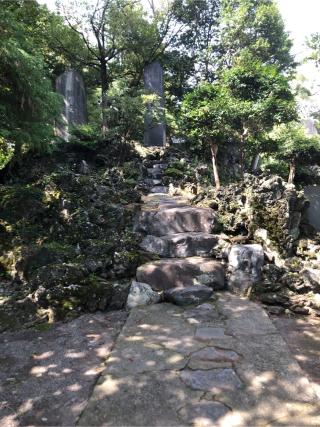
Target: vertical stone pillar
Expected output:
[71,86]
[154,129]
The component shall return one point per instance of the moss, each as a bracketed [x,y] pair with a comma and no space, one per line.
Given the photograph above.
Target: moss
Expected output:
[43,327]
[174,172]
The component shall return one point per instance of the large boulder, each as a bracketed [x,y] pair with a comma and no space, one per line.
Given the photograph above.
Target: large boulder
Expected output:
[180,245]
[174,273]
[176,220]
[245,263]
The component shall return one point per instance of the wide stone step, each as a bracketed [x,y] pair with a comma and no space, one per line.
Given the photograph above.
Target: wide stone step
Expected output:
[174,273]
[180,245]
[176,220]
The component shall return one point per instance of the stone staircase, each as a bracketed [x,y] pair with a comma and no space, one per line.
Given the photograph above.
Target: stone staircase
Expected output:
[182,237]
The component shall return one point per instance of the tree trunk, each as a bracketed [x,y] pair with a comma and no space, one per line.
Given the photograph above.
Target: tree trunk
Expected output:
[242,145]
[292,171]
[214,151]
[104,96]
[255,162]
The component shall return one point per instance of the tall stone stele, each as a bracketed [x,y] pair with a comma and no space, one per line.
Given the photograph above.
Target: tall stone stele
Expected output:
[154,127]
[71,86]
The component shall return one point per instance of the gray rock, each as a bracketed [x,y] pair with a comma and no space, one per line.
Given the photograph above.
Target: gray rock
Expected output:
[214,381]
[245,264]
[141,294]
[188,295]
[180,245]
[209,333]
[172,273]
[176,220]
[312,277]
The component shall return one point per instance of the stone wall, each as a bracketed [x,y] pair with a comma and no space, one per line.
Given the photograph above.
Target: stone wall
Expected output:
[312,193]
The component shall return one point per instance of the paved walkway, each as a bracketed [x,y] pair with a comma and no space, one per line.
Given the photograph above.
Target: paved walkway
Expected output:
[47,376]
[222,363]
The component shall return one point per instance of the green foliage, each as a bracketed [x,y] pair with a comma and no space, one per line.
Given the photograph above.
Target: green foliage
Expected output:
[254,28]
[28,102]
[314,44]
[294,144]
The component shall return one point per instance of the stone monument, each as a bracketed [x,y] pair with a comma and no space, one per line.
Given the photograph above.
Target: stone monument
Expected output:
[71,86]
[312,193]
[154,129]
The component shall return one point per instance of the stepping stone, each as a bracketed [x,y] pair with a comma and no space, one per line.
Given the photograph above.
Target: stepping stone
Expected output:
[188,295]
[210,357]
[214,381]
[176,220]
[180,245]
[174,273]
[160,189]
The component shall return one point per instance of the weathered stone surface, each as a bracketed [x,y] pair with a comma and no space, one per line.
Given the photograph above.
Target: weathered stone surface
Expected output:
[141,294]
[213,381]
[188,295]
[176,220]
[172,273]
[209,333]
[203,313]
[71,86]
[47,373]
[180,245]
[210,358]
[245,263]
[203,414]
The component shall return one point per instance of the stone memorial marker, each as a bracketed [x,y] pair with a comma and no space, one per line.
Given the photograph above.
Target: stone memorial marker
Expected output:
[155,131]
[312,193]
[71,86]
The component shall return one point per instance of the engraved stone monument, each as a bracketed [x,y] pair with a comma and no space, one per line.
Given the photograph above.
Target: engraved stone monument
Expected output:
[155,131]
[71,86]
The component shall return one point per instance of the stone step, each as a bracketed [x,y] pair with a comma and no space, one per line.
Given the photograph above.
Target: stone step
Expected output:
[154,173]
[180,245]
[152,182]
[174,273]
[159,189]
[176,220]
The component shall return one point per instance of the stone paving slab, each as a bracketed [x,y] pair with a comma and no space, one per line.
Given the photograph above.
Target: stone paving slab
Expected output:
[47,376]
[240,373]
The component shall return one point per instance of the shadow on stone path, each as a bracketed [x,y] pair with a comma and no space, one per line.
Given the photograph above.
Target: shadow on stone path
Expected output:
[46,377]
[222,363]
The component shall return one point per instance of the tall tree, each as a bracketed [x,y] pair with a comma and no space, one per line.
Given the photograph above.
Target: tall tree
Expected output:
[28,103]
[254,27]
